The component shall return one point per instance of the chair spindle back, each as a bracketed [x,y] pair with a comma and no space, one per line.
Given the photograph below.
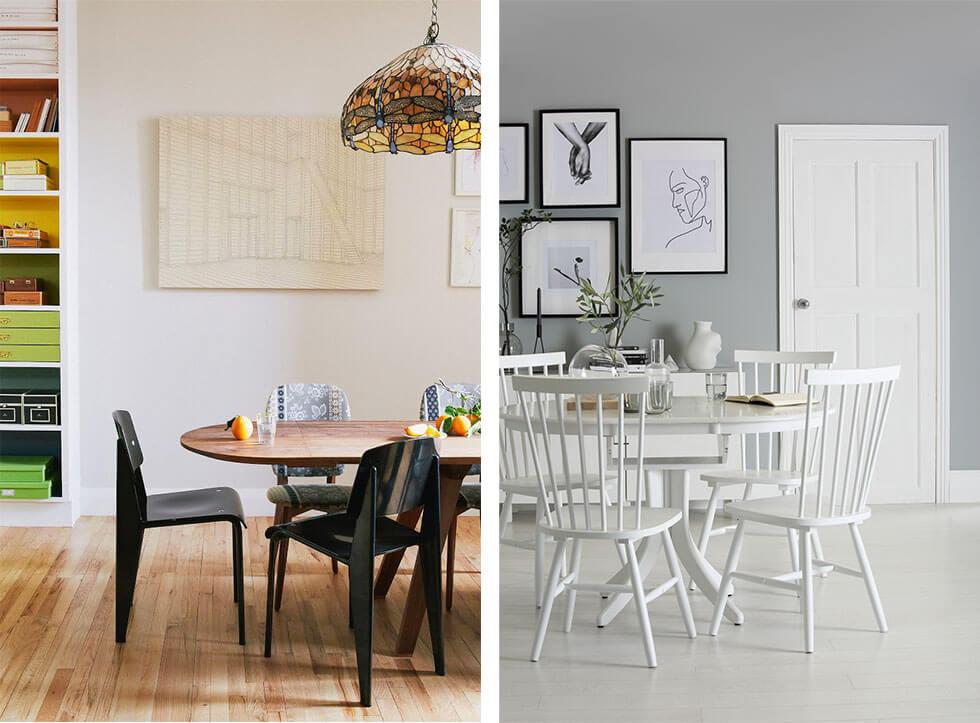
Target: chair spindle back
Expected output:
[515,460]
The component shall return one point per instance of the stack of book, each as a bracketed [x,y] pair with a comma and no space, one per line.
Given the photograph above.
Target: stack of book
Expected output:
[26,176]
[28,52]
[29,11]
[6,124]
[22,238]
[43,117]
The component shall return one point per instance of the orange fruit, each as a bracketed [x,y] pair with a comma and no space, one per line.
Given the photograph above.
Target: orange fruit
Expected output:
[440,421]
[241,427]
[474,418]
[461,426]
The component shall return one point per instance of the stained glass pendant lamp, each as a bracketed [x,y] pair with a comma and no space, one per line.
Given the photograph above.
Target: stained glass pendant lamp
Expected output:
[427,100]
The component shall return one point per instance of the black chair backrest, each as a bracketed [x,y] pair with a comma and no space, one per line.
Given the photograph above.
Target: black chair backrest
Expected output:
[404,471]
[129,459]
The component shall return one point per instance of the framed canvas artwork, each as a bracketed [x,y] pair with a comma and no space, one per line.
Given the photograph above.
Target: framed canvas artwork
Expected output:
[467,173]
[513,168]
[579,158]
[465,248]
[590,243]
[678,206]
[268,202]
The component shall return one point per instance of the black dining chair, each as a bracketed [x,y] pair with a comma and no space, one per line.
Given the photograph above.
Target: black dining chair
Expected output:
[391,479]
[137,511]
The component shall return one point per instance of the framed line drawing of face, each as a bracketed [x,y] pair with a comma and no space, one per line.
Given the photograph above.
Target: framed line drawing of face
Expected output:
[592,243]
[678,205]
[465,254]
[467,173]
[513,168]
[579,158]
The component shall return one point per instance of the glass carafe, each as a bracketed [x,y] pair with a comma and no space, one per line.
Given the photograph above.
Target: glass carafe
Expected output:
[658,373]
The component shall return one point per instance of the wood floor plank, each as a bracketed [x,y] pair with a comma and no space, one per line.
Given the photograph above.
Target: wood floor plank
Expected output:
[182,660]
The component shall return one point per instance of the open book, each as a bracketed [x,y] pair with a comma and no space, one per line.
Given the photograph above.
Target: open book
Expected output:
[773,399]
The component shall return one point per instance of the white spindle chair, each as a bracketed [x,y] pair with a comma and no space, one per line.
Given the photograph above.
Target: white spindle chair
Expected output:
[517,477]
[620,517]
[768,459]
[845,418]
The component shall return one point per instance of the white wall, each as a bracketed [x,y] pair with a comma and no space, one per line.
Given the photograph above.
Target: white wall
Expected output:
[183,358]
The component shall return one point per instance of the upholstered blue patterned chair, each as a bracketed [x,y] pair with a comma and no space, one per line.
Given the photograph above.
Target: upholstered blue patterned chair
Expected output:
[296,402]
[434,400]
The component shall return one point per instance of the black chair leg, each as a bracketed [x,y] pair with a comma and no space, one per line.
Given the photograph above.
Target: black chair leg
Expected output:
[239,577]
[451,562]
[234,560]
[432,582]
[287,515]
[270,594]
[129,541]
[360,575]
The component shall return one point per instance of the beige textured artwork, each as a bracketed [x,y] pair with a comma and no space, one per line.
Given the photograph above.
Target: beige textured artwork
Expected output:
[268,203]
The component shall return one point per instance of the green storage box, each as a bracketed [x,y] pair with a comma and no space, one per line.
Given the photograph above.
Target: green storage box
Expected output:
[29,319]
[35,470]
[30,336]
[30,353]
[25,490]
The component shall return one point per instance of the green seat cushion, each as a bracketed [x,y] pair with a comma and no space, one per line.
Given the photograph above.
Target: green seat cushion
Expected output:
[469,497]
[323,497]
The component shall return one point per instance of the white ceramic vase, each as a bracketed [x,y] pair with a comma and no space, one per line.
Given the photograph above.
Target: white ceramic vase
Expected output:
[703,347]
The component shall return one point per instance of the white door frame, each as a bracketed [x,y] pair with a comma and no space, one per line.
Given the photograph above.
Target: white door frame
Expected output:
[939,137]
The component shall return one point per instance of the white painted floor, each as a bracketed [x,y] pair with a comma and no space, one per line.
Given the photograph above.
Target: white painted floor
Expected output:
[926,668]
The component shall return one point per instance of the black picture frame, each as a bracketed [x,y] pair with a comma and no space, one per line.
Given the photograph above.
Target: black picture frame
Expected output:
[526,199]
[614,240]
[541,160]
[634,266]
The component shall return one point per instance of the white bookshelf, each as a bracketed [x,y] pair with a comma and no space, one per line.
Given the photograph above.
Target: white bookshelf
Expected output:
[64,509]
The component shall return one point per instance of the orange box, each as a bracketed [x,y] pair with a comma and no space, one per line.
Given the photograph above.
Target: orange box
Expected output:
[23,298]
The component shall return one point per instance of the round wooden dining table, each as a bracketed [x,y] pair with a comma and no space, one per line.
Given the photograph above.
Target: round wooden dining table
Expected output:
[325,444]
[688,416]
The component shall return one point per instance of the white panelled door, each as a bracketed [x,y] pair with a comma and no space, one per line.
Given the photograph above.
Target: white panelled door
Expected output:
[862,271]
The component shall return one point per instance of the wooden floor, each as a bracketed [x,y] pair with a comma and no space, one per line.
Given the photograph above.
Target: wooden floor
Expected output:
[927,668]
[59,661]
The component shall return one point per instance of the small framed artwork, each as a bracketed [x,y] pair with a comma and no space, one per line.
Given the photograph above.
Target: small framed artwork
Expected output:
[678,205]
[467,173]
[579,158]
[464,254]
[591,243]
[513,167]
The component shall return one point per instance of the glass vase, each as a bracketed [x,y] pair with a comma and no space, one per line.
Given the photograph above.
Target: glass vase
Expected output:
[510,344]
[595,360]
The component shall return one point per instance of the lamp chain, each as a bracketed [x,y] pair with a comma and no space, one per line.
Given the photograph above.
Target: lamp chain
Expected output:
[433,32]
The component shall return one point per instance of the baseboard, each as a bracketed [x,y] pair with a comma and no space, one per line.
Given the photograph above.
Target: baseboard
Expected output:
[101,501]
[964,485]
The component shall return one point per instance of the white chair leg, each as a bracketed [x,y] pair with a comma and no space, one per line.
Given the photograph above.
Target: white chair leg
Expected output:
[674,566]
[818,553]
[539,543]
[506,514]
[549,601]
[869,578]
[794,549]
[806,585]
[726,578]
[639,597]
[574,570]
[709,522]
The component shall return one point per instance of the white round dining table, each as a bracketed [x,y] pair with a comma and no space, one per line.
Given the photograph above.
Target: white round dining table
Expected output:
[687,416]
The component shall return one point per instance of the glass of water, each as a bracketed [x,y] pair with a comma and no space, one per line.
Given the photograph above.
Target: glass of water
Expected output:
[265,428]
[716,385]
[660,397]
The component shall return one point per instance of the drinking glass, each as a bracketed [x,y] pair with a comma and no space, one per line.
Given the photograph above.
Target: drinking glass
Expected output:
[265,428]
[660,397]
[716,385]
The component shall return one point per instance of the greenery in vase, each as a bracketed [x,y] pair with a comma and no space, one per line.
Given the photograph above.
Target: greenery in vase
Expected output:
[510,257]
[611,310]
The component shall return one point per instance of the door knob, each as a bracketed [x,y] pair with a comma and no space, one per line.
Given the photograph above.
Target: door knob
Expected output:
[802,303]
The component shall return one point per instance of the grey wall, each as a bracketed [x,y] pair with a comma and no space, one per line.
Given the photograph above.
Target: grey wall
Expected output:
[736,69]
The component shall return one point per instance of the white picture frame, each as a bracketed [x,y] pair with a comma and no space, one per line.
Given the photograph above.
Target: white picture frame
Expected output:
[557,244]
[466,176]
[464,256]
[678,205]
[579,158]
[514,168]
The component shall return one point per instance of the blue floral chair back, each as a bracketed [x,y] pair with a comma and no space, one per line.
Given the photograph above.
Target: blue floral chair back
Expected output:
[435,399]
[297,402]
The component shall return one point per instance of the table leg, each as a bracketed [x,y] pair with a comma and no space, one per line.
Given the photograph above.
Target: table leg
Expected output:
[451,479]
[706,577]
[389,564]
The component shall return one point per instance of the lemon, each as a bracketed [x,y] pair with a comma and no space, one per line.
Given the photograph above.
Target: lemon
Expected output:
[416,430]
